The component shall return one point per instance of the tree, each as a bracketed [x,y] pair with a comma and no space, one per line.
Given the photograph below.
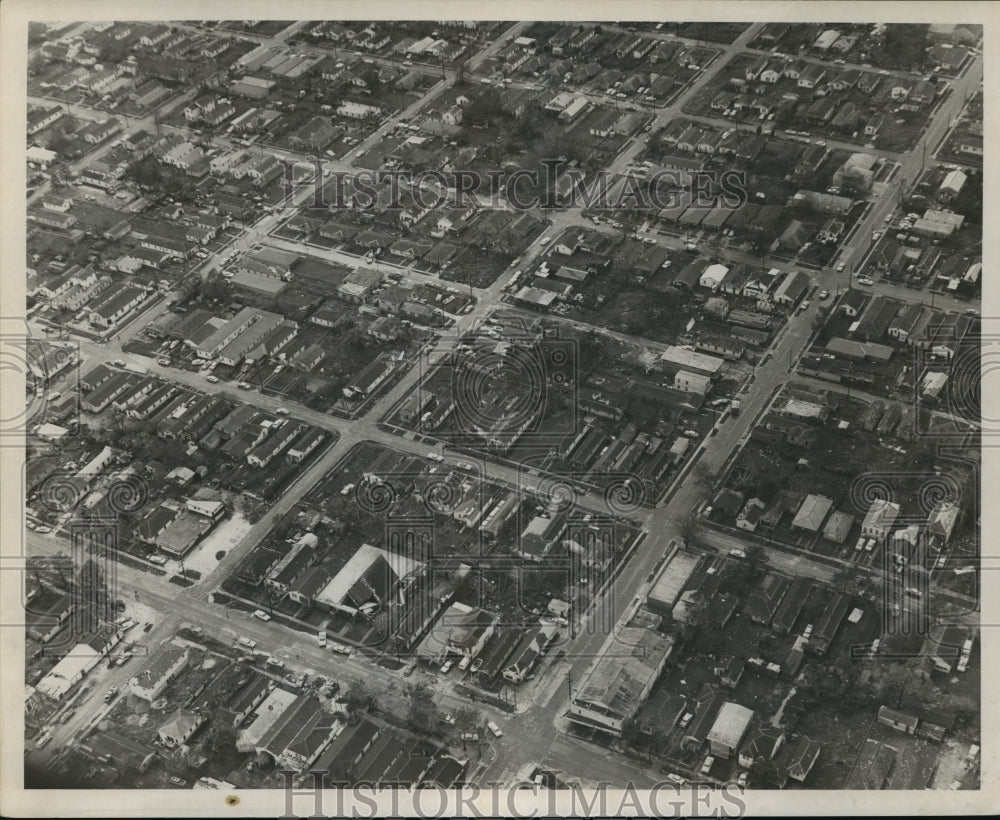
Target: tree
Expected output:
[852,579]
[215,288]
[648,359]
[819,320]
[763,774]
[90,588]
[222,738]
[358,700]
[467,720]
[423,715]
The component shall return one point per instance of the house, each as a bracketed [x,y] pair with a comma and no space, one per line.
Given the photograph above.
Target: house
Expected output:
[872,767]
[762,603]
[879,519]
[852,302]
[527,654]
[761,745]
[792,288]
[729,729]
[907,724]
[829,624]
[935,724]
[180,727]
[118,750]
[540,534]
[750,515]
[158,671]
[798,757]
[838,526]
[811,76]
[874,124]
[787,614]
[812,513]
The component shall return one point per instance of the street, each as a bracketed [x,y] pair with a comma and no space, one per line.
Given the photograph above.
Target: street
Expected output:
[537,733]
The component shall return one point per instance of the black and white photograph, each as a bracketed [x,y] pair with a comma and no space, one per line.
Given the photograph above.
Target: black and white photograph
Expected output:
[542,409]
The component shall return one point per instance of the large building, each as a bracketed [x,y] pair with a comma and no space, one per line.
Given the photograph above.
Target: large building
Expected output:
[620,679]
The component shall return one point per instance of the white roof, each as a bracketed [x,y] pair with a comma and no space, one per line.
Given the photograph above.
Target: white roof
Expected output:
[334,592]
[730,725]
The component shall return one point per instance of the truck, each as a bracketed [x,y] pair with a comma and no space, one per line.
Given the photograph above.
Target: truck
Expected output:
[734,408]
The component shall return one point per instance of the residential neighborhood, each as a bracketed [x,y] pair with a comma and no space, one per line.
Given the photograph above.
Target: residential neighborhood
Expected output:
[439,403]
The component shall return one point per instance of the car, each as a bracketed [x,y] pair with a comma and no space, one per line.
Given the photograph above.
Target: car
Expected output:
[347,490]
[864,280]
[546,240]
[43,530]
[888,218]
[44,738]
[446,667]
[972,311]
[808,631]
[260,613]
[245,386]
[963,664]
[686,720]
[29,525]
[177,781]
[435,457]
[477,664]
[212,379]
[496,730]
[841,266]
[321,638]
[465,465]
[275,663]
[449,719]
[119,363]
[676,779]
[282,411]
[249,643]
[706,766]
[805,305]
[464,663]
[738,553]
[146,627]
[110,694]
[823,294]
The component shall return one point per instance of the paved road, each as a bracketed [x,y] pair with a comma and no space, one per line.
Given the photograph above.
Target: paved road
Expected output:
[527,737]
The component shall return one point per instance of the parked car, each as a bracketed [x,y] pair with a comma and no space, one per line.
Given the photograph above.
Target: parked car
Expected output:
[249,643]
[435,457]
[864,280]
[260,613]
[497,732]
[823,294]
[282,411]
[477,664]
[212,379]
[446,667]
[706,767]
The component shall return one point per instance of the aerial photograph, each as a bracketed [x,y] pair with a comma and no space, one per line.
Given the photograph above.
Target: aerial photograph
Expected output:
[439,402]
